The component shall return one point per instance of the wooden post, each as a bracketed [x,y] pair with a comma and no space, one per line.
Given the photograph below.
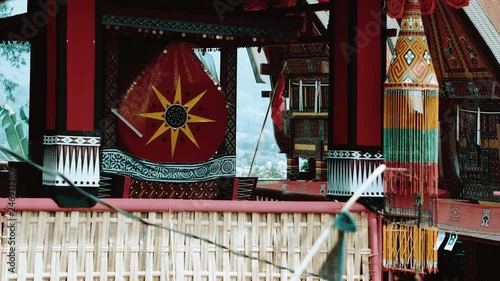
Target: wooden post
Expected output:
[498,138]
[71,145]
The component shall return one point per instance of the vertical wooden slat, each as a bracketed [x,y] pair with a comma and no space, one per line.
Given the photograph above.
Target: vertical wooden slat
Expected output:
[238,246]
[72,240]
[307,242]
[228,235]
[134,245]
[365,246]
[267,240]
[285,247]
[118,248]
[103,247]
[149,242]
[179,250]
[165,250]
[90,247]
[255,230]
[40,231]
[23,246]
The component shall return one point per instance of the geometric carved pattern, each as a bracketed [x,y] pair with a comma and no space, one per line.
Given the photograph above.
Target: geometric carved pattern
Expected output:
[159,190]
[76,157]
[455,212]
[353,154]
[413,64]
[228,64]
[108,126]
[409,56]
[192,27]
[463,71]
[348,169]
[115,161]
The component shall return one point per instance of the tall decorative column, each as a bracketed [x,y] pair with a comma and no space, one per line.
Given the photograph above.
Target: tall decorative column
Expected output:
[355,146]
[71,144]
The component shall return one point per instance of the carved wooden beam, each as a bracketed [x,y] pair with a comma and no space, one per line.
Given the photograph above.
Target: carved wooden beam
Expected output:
[12,28]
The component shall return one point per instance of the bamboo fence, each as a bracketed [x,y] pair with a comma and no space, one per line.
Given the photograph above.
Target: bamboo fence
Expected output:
[105,245]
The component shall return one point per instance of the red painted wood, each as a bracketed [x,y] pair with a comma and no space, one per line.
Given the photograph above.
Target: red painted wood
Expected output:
[369,76]
[80,65]
[306,187]
[175,205]
[126,186]
[236,182]
[467,217]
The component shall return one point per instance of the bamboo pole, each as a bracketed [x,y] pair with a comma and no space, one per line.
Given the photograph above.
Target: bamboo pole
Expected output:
[265,121]
[324,235]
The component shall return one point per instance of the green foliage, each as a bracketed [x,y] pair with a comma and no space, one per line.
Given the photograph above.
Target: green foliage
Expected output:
[13,115]
[5,10]
[14,132]
[305,166]
[13,52]
[9,86]
[23,116]
[267,170]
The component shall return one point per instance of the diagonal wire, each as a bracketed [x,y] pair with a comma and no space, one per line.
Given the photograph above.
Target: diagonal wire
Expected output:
[145,222]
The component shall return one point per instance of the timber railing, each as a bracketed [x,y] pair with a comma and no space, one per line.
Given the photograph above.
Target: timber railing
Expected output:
[52,243]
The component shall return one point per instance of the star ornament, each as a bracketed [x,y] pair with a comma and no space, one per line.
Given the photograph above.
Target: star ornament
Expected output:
[176,117]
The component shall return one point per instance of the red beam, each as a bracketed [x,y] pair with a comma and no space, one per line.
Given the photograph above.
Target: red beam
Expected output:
[467,217]
[175,205]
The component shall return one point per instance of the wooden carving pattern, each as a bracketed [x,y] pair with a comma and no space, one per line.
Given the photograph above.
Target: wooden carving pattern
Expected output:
[158,190]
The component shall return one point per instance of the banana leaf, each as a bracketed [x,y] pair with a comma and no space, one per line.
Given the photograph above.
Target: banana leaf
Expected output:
[23,116]
[14,132]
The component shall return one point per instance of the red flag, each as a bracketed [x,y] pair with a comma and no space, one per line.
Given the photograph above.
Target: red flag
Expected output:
[279,102]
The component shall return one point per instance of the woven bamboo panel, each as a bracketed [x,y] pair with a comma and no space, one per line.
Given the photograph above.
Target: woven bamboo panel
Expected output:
[110,246]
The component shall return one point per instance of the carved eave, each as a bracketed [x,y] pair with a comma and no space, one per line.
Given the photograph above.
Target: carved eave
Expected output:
[211,27]
[465,63]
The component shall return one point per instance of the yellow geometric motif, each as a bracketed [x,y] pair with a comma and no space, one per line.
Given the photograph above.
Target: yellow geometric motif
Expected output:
[411,63]
[177,103]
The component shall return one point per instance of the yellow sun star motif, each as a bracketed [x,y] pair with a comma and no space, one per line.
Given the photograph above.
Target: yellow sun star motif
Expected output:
[176,116]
